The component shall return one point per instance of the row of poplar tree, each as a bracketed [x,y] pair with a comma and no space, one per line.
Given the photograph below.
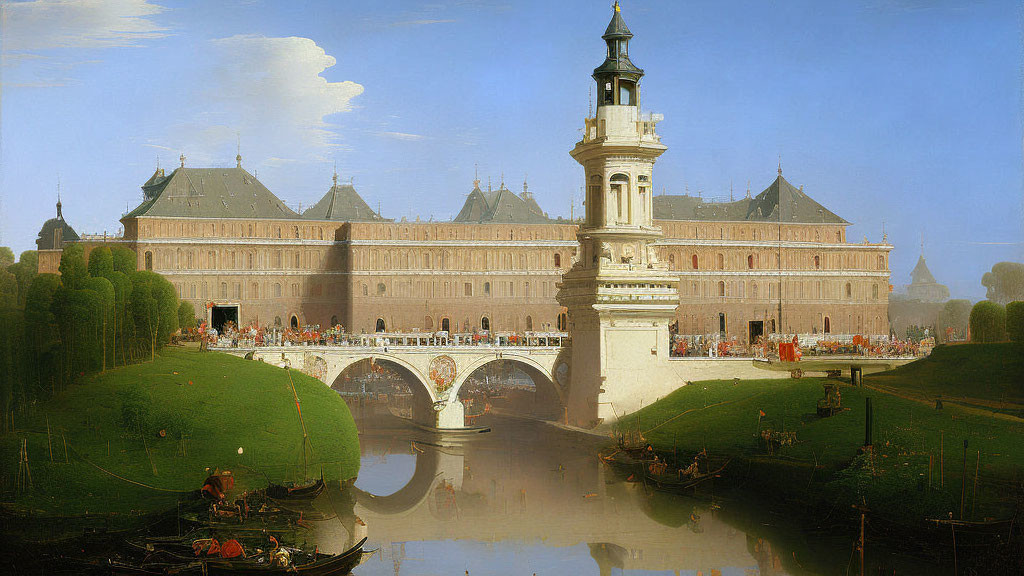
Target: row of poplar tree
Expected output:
[95,315]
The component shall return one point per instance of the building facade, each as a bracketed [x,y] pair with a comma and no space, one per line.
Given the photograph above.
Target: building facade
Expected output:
[777,262]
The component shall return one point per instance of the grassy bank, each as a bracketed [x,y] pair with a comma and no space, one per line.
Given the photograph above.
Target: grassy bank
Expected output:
[822,466]
[208,405]
[984,375]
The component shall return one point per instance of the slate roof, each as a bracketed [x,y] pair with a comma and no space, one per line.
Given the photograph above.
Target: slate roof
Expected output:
[796,207]
[501,205]
[45,239]
[617,27]
[209,193]
[342,204]
[921,274]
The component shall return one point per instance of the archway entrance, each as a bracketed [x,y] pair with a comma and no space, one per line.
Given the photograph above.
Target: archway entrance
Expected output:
[294,322]
[381,327]
[445,325]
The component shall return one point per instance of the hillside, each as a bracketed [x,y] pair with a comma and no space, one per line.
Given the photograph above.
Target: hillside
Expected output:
[987,375]
[208,406]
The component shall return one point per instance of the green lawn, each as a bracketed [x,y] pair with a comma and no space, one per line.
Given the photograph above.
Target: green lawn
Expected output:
[822,464]
[219,403]
[990,375]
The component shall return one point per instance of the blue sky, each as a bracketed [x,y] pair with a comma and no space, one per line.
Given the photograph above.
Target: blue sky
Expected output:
[902,111]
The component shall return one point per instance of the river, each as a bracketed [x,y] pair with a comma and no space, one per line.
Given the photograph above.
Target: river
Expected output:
[530,498]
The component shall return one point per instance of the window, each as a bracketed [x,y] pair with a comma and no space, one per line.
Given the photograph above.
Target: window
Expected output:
[828,325]
[149,260]
[485,324]
[381,327]
[558,260]
[223,290]
[255,291]
[277,291]
[563,322]
[874,291]
[750,261]
[721,323]
[694,261]
[817,262]
[381,289]
[294,322]
[468,289]
[487,288]
[881,262]
[721,261]
[445,325]
[529,323]
[295,289]
[849,290]
[721,289]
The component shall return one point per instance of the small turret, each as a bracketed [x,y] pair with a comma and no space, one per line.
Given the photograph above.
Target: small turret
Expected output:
[617,78]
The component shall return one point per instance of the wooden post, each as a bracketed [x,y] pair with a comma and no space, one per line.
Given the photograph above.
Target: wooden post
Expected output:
[861,542]
[49,444]
[963,481]
[931,459]
[65,440]
[942,459]
[974,498]
[868,417]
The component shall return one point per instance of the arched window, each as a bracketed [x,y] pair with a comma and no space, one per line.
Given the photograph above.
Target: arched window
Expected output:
[295,229]
[380,326]
[529,323]
[277,321]
[277,290]
[671,261]
[445,325]
[753,290]
[620,195]
[721,323]
[817,262]
[874,291]
[381,289]
[487,288]
[294,322]
[721,262]
[149,260]
[881,262]
[750,261]
[428,323]
[558,260]
[828,325]
[563,322]
[694,260]
[485,324]
[255,293]
[223,290]
[849,290]
[721,288]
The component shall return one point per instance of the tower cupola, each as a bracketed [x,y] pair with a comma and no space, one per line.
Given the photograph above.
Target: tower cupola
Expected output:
[617,78]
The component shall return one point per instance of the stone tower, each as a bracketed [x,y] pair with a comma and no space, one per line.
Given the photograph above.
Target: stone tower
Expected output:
[620,300]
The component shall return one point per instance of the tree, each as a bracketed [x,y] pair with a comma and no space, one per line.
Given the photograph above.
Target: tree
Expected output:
[8,289]
[955,314]
[101,262]
[1005,282]
[25,270]
[41,339]
[6,257]
[73,270]
[124,260]
[122,328]
[988,322]
[104,291]
[186,316]
[1015,321]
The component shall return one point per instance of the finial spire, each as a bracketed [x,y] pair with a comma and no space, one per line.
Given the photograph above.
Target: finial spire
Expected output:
[748,188]
[182,158]
[335,177]
[730,191]
[476,175]
[238,156]
[780,164]
[617,9]
[59,216]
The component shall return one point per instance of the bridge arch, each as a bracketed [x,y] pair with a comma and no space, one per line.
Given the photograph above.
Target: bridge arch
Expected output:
[408,497]
[424,395]
[548,390]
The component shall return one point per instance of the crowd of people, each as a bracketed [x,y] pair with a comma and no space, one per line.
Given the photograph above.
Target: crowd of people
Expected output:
[715,346]
[231,336]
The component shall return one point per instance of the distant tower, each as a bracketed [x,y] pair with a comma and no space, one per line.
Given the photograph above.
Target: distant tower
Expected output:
[620,300]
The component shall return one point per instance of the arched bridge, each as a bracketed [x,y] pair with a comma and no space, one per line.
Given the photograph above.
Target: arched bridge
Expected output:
[436,374]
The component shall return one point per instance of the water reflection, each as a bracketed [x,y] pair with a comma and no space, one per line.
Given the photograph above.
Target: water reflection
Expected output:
[524,499]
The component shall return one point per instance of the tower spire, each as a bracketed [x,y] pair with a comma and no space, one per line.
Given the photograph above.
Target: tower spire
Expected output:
[182,159]
[335,177]
[476,175]
[59,215]
[780,164]
[238,156]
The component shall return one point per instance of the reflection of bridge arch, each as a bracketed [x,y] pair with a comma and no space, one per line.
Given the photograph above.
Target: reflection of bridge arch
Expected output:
[547,389]
[409,496]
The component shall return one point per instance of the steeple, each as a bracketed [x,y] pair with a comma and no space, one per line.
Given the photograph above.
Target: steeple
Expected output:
[59,215]
[238,156]
[526,190]
[617,77]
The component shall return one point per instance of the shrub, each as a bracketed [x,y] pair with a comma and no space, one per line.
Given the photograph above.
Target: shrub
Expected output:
[988,322]
[1015,321]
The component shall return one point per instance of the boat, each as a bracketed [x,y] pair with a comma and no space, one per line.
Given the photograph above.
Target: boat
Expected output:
[669,481]
[296,492]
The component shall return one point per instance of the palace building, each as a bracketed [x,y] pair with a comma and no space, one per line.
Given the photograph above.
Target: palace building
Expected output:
[776,262]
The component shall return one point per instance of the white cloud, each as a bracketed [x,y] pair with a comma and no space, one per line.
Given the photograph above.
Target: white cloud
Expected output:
[270,93]
[48,24]
[403,136]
